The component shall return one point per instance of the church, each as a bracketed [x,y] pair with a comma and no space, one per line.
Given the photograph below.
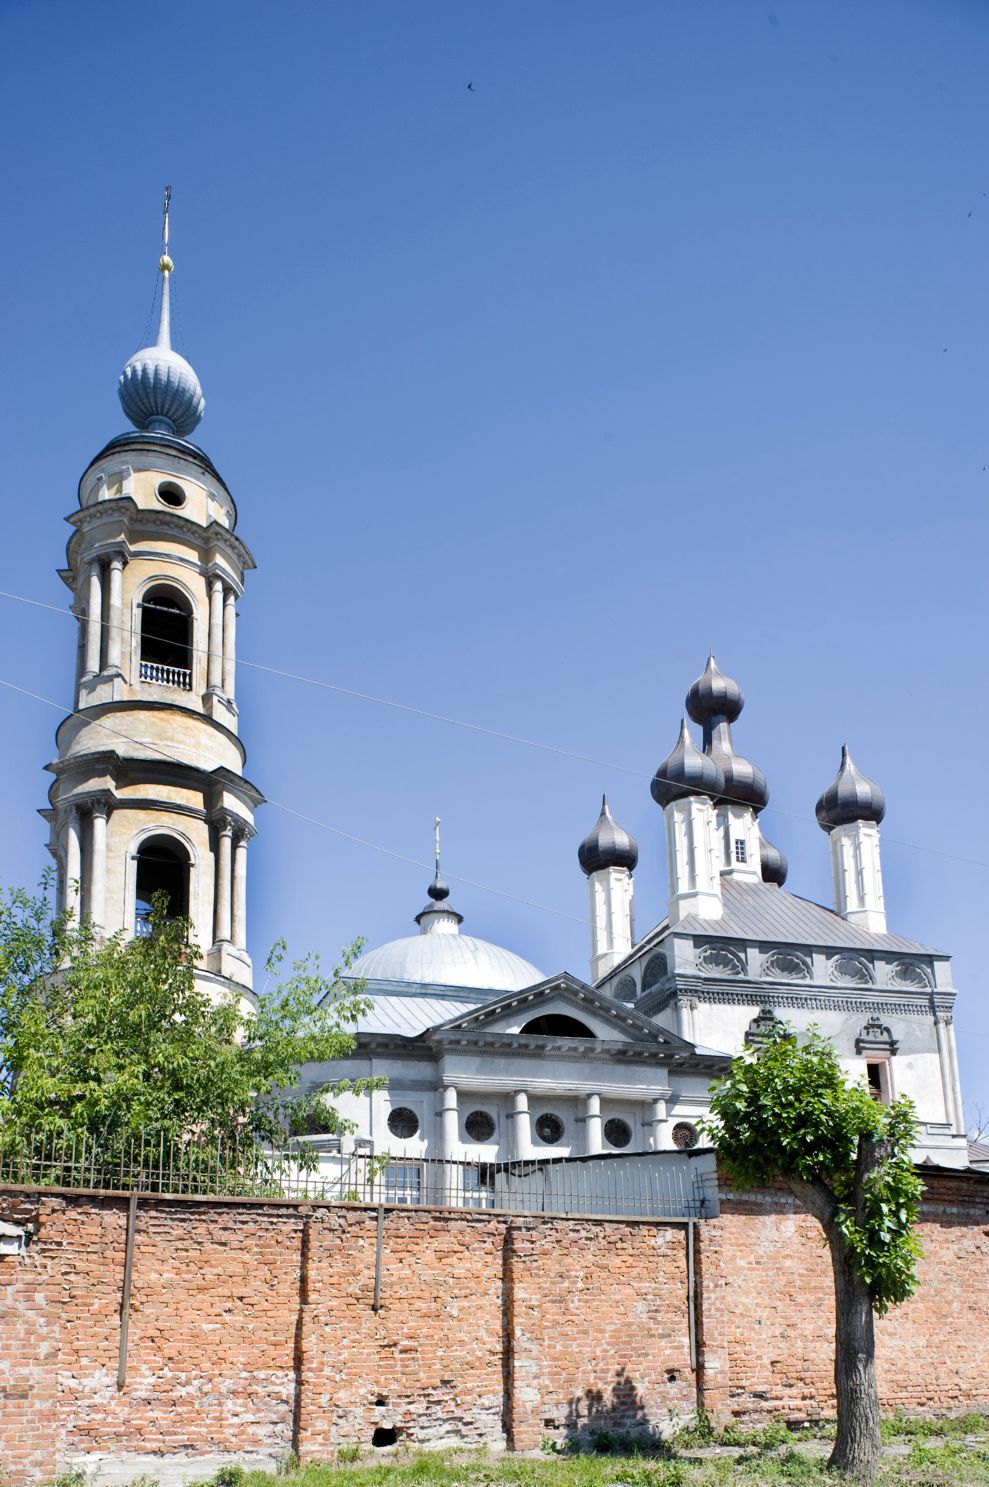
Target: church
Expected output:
[486,1057]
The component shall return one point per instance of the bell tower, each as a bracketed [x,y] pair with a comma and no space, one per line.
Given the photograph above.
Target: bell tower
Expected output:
[149,792]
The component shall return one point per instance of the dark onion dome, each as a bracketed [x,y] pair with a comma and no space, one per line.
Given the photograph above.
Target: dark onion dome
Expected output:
[714,695]
[607,845]
[438,892]
[686,771]
[772,862]
[849,797]
[745,783]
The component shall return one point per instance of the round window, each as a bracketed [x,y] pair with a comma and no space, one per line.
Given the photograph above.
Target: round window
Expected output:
[617,1132]
[403,1123]
[684,1135]
[171,494]
[479,1125]
[549,1128]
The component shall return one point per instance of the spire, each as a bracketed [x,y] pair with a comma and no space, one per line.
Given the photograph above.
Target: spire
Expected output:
[438,916]
[716,701]
[158,389]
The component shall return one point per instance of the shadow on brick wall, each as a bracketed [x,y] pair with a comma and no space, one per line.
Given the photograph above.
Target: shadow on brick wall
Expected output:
[613,1422]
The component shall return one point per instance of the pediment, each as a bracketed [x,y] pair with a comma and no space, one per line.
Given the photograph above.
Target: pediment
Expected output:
[560,998]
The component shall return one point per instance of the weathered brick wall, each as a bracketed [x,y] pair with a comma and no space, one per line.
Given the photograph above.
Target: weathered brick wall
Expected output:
[767,1308]
[253,1329]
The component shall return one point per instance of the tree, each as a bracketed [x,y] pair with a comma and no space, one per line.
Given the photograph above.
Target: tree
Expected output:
[116,1042]
[789,1112]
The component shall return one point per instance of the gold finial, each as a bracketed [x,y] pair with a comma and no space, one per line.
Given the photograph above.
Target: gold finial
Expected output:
[165,263]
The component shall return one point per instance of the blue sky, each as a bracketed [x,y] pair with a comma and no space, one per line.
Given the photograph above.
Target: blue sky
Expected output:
[669,335]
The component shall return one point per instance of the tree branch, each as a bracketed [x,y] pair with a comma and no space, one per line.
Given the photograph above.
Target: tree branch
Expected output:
[816,1197]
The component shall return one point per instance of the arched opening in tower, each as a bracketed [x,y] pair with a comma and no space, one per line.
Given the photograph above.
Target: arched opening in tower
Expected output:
[557,1025]
[162,867]
[166,640]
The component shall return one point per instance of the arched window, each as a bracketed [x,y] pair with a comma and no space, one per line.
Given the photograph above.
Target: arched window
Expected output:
[162,867]
[166,639]
[557,1025]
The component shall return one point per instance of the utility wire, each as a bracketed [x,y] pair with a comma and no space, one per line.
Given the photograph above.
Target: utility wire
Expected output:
[514,738]
[287,809]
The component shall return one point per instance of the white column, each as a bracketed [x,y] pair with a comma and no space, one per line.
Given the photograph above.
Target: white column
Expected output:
[941,1020]
[692,859]
[610,898]
[240,889]
[115,616]
[522,1133]
[657,1120]
[221,907]
[449,1122]
[214,659]
[687,1018]
[229,642]
[956,1084]
[857,874]
[97,904]
[73,861]
[94,620]
[592,1118]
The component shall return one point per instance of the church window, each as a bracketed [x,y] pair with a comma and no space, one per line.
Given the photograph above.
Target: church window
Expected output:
[654,972]
[684,1135]
[740,852]
[617,1132]
[478,1185]
[401,1182]
[162,867]
[171,494]
[557,1025]
[550,1129]
[878,1080]
[166,640]
[624,990]
[479,1125]
[403,1123]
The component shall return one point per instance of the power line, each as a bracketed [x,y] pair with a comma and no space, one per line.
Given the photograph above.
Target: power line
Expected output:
[287,809]
[514,738]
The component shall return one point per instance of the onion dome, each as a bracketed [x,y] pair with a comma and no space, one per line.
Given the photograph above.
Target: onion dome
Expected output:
[686,771]
[849,797]
[714,695]
[607,845]
[158,389]
[745,783]
[772,862]
[438,894]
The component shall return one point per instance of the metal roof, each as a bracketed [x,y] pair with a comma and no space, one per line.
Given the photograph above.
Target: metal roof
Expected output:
[410,1013]
[447,960]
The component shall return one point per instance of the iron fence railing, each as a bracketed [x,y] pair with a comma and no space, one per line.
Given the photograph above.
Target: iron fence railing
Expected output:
[642,1185]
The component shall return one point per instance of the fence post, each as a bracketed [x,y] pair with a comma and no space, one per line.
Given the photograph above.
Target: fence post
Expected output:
[125,1297]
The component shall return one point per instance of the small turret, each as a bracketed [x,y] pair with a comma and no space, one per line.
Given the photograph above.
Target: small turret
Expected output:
[850,811]
[686,784]
[608,856]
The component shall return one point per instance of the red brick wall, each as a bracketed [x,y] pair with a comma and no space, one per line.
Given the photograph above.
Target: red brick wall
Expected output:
[252,1328]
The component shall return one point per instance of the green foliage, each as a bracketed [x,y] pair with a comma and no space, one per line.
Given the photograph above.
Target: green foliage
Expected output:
[116,1040]
[790,1112]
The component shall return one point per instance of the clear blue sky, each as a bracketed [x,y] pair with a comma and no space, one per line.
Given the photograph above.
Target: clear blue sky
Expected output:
[671,334]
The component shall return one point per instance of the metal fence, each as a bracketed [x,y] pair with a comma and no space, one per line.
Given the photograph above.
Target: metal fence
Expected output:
[639,1185]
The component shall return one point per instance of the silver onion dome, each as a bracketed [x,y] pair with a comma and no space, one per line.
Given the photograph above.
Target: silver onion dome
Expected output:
[607,844]
[850,797]
[714,695]
[773,864]
[158,389]
[686,771]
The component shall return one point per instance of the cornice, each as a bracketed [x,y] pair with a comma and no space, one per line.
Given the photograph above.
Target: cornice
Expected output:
[813,997]
[134,518]
[123,768]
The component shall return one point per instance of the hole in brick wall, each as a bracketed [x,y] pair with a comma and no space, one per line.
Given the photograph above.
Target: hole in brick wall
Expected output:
[384,1436]
[672,1377]
[549,1424]
[380,1401]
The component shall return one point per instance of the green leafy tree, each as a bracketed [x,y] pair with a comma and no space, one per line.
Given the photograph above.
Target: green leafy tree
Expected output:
[115,1041]
[789,1112]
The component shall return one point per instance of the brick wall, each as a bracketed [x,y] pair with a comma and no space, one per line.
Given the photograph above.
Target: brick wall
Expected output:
[253,1330]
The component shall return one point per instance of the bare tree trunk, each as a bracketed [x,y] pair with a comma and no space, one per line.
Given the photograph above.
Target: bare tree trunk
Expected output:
[857,1445]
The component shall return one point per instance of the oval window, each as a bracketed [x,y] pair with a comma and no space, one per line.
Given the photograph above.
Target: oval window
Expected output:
[549,1129]
[403,1123]
[479,1125]
[171,494]
[684,1135]
[617,1132]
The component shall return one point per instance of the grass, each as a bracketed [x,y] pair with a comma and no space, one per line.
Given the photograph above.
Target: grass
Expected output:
[934,1454]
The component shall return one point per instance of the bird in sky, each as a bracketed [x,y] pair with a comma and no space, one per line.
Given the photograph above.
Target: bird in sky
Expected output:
[470,87]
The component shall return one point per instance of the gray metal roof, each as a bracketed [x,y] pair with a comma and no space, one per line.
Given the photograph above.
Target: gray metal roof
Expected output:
[761,911]
[447,960]
[410,1013]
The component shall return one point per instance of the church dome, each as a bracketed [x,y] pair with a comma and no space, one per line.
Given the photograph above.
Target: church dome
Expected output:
[607,844]
[849,797]
[447,960]
[772,863]
[745,782]
[714,695]
[158,389]
[685,772]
